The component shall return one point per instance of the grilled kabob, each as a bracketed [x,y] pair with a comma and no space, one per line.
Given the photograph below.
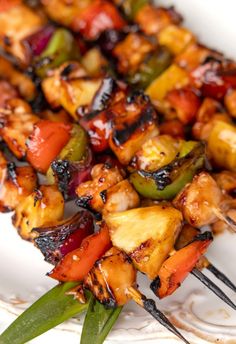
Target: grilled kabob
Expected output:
[97,137]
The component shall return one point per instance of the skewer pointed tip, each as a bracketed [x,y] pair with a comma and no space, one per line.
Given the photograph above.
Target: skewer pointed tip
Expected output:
[213,287]
[222,277]
[150,306]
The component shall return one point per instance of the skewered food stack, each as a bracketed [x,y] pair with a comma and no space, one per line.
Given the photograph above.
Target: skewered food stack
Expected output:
[116,106]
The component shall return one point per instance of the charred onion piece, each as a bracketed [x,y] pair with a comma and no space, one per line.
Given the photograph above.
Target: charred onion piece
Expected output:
[56,241]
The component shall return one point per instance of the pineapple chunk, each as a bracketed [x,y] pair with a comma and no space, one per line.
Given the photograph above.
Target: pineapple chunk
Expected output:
[222,145]
[147,235]
[77,93]
[173,77]
[175,38]
[43,207]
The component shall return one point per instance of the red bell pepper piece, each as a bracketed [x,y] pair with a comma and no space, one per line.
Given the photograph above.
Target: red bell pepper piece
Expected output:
[176,268]
[186,103]
[98,128]
[101,15]
[46,142]
[76,264]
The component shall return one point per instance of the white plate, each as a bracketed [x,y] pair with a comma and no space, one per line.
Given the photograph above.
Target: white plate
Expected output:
[192,307]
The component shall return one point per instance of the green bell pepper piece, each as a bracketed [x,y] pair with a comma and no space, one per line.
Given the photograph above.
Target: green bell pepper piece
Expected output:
[166,182]
[74,150]
[154,65]
[61,47]
[50,310]
[132,7]
[76,147]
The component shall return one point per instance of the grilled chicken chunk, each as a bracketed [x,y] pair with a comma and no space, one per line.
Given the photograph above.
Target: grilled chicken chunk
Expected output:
[226,180]
[18,22]
[16,183]
[107,192]
[22,82]
[147,235]
[43,206]
[153,19]
[131,52]
[7,91]
[198,200]
[111,277]
[134,122]
[17,123]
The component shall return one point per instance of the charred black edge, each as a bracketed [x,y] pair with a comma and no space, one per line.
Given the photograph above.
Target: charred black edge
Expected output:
[84,202]
[103,195]
[162,176]
[146,116]
[155,285]
[213,287]
[150,306]
[11,171]
[67,70]
[38,196]
[70,222]
[202,237]
[222,277]
[109,302]
[61,170]
[102,97]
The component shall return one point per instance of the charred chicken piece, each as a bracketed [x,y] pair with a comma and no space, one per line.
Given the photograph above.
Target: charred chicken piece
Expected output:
[147,235]
[16,184]
[57,240]
[120,197]
[97,122]
[111,277]
[13,29]
[202,202]
[226,180]
[7,91]
[153,19]
[90,192]
[43,207]
[116,289]
[134,122]
[107,192]
[17,123]
[193,56]
[210,111]
[131,52]
[22,82]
